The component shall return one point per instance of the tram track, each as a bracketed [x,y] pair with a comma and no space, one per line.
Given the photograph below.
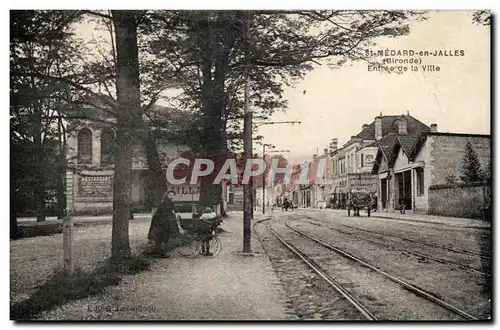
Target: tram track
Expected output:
[334,284]
[407,286]
[422,255]
[465,252]
[410,287]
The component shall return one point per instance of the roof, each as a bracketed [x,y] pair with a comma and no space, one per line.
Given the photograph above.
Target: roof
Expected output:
[407,142]
[390,125]
[385,149]
[423,136]
[458,134]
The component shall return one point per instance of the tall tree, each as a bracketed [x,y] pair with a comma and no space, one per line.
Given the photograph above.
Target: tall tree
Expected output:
[127,122]
[206,50]
[40,45]
[471,167]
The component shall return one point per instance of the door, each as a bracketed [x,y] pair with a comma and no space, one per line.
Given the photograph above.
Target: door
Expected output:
[383,193]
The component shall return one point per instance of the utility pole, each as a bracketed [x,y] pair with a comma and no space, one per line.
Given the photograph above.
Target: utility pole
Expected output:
[264,155]
[264,177]
[247,145]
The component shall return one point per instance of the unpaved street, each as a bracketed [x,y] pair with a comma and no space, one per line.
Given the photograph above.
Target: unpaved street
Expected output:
[445,261]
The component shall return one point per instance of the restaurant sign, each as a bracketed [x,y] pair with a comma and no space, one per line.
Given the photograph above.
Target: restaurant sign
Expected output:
[95,185]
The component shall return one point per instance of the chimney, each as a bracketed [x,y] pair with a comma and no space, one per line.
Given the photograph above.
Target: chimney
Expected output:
[325,151]
[403,125]
[378,127]
[364,126]
[333,145]
[434,128]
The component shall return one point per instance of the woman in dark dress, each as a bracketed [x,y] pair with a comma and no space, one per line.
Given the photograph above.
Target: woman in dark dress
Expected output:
[161,224]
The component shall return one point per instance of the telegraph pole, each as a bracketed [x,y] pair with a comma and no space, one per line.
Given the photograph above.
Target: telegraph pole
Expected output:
[247,145]
[264,155]
[264,177]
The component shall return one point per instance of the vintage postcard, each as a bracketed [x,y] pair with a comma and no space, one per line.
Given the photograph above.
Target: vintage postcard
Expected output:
[250,165]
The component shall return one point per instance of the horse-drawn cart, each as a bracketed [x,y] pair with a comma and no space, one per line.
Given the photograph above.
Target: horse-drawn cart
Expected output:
[359,199]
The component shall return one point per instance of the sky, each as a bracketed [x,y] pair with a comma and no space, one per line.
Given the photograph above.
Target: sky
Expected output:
[338,102]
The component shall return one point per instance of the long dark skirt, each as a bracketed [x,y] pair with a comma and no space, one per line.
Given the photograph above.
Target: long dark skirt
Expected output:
[160,227]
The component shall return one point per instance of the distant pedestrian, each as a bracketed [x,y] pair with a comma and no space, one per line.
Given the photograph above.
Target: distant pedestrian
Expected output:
[402,205]
[162,224]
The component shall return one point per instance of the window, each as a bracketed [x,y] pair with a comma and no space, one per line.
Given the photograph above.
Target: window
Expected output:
[107,146]
[85,146]
[402,123]
[231,198]
[420,181]
[362,162]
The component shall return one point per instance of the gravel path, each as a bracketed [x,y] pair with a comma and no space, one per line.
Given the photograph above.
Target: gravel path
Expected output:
[227,287]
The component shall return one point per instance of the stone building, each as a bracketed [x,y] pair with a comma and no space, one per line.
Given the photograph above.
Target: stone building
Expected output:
[352,164]
[409,166]
[89,178]
[90,170]
[323,189]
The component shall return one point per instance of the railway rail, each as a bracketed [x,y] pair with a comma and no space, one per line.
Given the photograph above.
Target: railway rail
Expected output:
[317,269]
[482,256]
[417,291]
[440,260]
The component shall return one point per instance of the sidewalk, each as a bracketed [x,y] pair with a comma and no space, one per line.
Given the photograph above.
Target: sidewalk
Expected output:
[227,287]
[414,217]
[450,221]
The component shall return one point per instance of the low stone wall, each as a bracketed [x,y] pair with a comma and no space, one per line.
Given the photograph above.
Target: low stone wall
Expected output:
[458,200]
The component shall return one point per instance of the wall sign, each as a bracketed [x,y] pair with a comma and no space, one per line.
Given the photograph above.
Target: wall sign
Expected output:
[95,185]
[185,192]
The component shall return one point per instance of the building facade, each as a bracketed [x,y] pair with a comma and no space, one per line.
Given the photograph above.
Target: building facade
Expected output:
[353,163]
[417,163]
[89,178]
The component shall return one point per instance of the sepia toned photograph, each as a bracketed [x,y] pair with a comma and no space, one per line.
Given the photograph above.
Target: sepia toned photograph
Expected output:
[250,165]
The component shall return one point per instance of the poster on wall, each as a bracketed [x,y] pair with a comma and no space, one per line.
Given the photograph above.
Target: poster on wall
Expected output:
[95,185]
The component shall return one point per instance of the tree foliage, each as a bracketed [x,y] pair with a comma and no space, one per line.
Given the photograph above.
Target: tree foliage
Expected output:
[40,46]
[471,167]
[482,17]
[205,51]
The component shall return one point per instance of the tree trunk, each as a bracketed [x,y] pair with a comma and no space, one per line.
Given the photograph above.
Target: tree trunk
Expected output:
[128,118]
[216,53]
[159,180]
[14,230]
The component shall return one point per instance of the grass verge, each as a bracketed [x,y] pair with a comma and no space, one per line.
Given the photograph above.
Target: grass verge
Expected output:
[61,288]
